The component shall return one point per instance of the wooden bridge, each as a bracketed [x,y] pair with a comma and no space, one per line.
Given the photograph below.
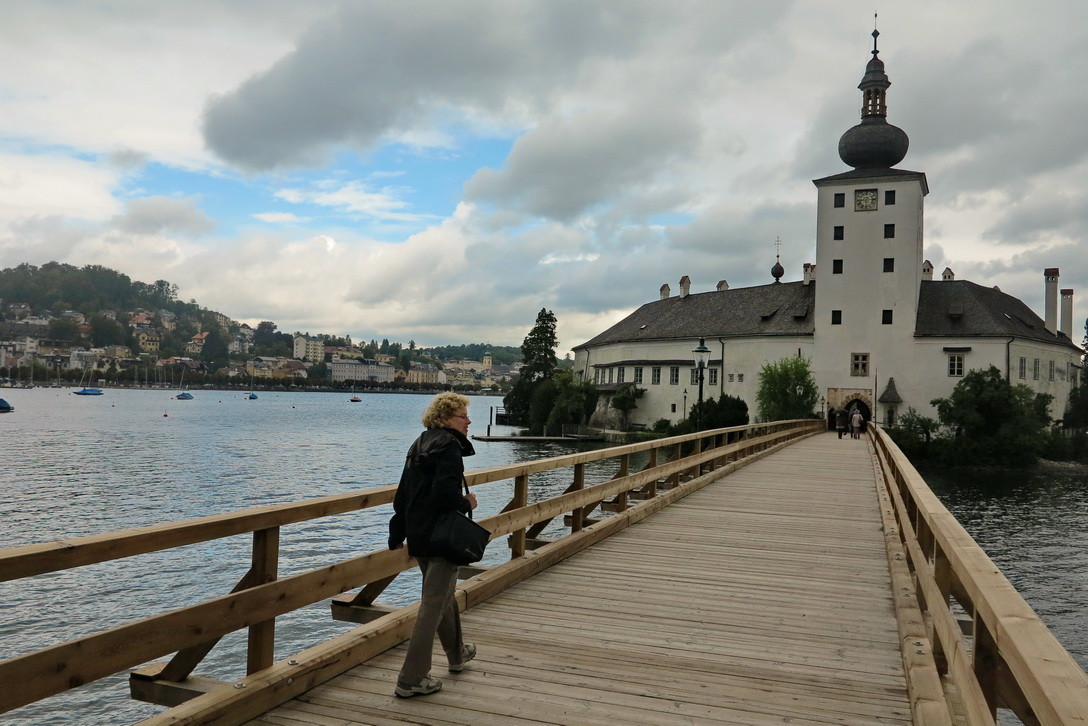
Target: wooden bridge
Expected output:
[785,576]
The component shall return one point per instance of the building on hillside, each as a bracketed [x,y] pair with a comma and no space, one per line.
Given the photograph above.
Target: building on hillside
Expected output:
[147,340]
[361,371]
[425,374]
[196,343]
[309,348]
[881,334]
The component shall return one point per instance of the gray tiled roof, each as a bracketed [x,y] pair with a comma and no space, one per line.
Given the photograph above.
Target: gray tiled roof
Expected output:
[963,309]
[775,309]
[946,308]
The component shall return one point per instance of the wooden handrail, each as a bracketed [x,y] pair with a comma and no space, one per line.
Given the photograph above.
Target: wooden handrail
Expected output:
[1013,661]
[39,674]
[37,559]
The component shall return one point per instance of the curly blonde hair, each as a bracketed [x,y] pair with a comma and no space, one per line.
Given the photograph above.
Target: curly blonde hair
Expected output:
[443,406]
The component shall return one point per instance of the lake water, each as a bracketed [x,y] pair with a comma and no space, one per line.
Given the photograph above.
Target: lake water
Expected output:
[76,466]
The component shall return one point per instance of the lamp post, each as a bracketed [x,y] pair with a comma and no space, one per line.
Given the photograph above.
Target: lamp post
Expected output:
[685,403]
[702,356]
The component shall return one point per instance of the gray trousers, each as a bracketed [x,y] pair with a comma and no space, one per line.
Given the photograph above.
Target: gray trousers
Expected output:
[437,613]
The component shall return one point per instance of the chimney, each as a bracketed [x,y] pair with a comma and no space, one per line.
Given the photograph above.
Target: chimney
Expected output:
[685,286]
[1050,283]
[1067,312]
[927,270]
[948,274]
[665,291]
[809,268]
[722,285]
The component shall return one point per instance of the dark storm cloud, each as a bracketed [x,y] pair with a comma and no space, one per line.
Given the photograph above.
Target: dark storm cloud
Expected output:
[382,68]
[378,68]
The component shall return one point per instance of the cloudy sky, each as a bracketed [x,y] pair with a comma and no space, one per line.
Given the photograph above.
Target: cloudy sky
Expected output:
[441,170]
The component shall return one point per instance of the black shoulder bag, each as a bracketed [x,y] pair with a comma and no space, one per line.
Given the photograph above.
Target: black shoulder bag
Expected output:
[457,538]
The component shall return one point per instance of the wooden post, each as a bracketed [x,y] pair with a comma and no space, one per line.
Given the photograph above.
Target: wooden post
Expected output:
[521,498]
[576,518]
[986,659]
[262,636]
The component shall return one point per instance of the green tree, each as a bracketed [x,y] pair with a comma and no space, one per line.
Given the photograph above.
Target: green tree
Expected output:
[786,390]
[538,354]
[717,414]
[989,420]
[574,401]
[625,400]
[215,348]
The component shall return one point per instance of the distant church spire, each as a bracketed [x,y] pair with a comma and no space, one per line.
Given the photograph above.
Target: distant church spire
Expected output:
[777,271]
[874,143]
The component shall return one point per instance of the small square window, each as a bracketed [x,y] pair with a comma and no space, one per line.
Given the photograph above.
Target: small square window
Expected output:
[840,199]
[955,364]
[740,378]
[889,197]
[886,317]
[859,364]
[674,408]
[889,264]
[889,231]
[839,232]
[730,377]
[836,317]
[836,267]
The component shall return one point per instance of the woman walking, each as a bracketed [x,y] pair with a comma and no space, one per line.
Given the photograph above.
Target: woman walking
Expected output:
[429,485]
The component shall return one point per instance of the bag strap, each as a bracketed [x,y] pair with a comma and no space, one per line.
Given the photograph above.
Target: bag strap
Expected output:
[464,482]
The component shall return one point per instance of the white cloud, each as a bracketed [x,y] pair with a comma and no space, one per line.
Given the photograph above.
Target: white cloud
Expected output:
[592,154]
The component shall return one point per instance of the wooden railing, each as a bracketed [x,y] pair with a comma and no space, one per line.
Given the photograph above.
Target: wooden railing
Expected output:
[977,638]
[673,468]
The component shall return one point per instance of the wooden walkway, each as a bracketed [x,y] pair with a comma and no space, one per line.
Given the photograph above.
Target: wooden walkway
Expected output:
[763,598]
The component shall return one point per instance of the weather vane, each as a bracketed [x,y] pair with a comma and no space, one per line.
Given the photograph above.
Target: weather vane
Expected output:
[777,248]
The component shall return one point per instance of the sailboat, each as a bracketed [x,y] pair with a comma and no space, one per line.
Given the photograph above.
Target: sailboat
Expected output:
[184,395]
[354,398]
[84,391]
[251,395]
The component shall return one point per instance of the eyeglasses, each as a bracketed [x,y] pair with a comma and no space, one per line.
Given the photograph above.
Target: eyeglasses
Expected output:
[457,415]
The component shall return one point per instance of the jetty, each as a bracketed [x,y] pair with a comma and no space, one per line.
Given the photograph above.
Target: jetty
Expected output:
[762,574]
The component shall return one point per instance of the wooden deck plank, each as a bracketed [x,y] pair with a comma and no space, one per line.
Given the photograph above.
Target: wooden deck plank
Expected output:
[763,598]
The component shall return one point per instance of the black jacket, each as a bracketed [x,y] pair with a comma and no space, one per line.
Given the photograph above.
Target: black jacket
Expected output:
[429,485]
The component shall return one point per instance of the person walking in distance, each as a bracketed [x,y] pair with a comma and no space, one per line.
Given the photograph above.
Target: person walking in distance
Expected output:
[429,485]
[856,420]
[842,418]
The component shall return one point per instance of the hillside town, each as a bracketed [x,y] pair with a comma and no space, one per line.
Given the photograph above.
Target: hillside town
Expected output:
[155,347]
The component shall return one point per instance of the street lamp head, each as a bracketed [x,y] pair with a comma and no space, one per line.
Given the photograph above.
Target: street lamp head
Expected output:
[800,390]
[701,354]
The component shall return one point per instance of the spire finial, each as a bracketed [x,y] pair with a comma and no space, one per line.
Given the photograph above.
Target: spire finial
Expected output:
[876,34]
[777,271]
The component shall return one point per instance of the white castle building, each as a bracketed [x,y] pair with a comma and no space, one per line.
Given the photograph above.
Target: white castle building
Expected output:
[880,332]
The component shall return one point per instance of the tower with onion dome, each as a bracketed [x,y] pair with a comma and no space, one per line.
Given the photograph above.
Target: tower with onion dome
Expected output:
[868,250]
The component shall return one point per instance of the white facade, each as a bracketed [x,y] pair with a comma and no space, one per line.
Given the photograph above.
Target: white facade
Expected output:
[879,331]
[308,348]
[361,371]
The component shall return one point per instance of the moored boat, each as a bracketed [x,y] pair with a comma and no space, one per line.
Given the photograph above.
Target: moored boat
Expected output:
[88,392]
[6,407]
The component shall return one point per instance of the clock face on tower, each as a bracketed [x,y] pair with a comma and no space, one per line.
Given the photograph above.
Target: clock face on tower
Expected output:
[864,200]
